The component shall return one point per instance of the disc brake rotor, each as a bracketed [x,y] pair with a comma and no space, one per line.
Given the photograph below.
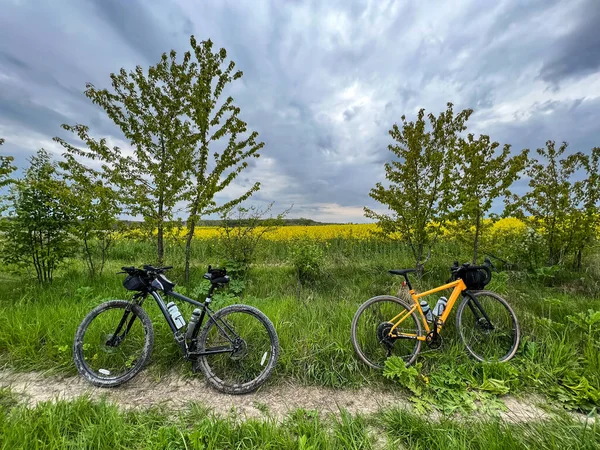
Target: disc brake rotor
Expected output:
[240,349]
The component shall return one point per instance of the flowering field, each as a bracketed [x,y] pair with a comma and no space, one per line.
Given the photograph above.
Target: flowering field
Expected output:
[319,232]
[508,226]
[503,227]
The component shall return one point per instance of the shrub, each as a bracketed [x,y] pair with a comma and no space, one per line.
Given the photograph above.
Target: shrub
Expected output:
[307,259]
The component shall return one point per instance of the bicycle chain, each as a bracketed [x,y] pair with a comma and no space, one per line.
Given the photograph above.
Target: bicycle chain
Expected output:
[429,349]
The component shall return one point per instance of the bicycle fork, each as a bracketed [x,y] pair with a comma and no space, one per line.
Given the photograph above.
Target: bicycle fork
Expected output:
[116,339]
[478,312]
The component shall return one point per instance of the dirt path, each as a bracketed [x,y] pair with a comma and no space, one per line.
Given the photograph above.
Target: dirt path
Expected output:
[275,400]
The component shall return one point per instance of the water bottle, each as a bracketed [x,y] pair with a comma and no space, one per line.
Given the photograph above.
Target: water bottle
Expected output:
[192,324]
[176,315]
[426,310]
[440,306]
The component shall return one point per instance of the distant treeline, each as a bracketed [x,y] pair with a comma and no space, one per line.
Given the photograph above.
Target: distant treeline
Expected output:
[216,223]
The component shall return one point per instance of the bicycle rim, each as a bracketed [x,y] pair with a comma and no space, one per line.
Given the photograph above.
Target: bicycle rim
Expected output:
[113,344]
[251,348]
[371,325]
[488,327]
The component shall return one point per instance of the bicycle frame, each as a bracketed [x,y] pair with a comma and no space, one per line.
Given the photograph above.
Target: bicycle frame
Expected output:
[459,287]
[179,337]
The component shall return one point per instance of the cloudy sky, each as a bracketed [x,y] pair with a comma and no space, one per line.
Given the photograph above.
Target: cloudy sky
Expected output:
[323,80]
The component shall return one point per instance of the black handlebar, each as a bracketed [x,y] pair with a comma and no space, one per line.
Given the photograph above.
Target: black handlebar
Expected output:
[457,270]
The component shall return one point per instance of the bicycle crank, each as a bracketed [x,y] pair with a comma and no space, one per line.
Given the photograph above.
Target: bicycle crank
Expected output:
[433,340]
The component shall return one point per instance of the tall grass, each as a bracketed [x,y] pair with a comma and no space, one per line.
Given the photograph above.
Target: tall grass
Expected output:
[557,357]
[84,424]
[558,432]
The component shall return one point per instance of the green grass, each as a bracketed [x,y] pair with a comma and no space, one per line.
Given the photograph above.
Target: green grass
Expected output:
[83,424]
[558,357]
[557,432]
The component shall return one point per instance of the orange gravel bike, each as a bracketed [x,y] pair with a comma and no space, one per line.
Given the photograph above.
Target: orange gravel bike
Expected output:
[387,326]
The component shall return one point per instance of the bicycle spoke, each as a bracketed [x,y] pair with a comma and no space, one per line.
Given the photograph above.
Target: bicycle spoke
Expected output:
[253,349]
[110,354]
[488,328]
[371,332]
[113,343]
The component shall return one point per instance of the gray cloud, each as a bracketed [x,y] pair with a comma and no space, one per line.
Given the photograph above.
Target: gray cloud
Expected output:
[17,109]
[323,81]
[579,51]
[136,24]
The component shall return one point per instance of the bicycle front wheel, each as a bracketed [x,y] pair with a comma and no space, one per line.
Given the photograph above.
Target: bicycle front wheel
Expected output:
[370,331]
[488,327]
[246,349]
[113,343]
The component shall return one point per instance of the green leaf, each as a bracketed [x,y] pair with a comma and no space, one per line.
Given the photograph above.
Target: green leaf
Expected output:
[497,387]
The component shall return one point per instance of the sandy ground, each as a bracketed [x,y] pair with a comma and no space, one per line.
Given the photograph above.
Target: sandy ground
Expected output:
[275,400]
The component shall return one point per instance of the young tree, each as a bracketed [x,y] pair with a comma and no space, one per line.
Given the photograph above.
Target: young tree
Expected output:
[94,208]
[419,180]
[6,170]
[552,200]
[588,194]
[37,233]
[481,175]
[173,119]
[241,230]
[213,122]
[152,111]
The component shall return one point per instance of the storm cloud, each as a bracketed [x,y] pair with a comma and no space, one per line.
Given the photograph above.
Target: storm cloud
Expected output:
[323,81]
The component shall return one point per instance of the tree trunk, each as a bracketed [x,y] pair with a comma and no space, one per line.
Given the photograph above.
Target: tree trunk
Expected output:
[551,251]
[88,254]
[161,208]
[160,243]
[188,244]
[579,252]
[35,256]
[420,260]
[476,243]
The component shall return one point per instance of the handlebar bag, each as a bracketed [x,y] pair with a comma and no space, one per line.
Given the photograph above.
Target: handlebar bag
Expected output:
[134,283]
[475,279]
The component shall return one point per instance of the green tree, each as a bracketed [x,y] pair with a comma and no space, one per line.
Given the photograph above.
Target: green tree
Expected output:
[215,121]
[188,146]
[481,175]
[552,201]
[588,214]
[419,180]
[152,111]
[37,234]
[94,208]
[6,170]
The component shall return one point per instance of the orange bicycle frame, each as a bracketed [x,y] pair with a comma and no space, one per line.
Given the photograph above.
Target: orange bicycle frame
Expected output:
[458,285]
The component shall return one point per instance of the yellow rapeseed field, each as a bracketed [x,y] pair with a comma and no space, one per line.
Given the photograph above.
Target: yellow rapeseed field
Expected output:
[509,227]
[319,232]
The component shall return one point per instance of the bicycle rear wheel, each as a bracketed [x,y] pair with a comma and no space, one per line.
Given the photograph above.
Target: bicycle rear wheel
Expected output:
[250,349]
[113,343]
[488,327]
[371,326]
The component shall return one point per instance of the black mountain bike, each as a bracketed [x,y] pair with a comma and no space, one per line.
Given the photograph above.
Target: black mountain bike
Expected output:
[236,349]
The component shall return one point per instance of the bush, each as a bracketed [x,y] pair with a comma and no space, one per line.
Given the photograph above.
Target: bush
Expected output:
[307,259]
[240,233]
